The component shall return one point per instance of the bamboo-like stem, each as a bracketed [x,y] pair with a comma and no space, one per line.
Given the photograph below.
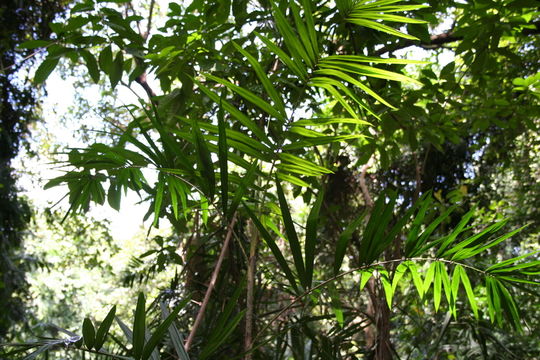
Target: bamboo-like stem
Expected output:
[252,261]
[211,285]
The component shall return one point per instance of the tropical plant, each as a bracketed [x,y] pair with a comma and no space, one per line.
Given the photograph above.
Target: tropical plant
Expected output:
[267,106]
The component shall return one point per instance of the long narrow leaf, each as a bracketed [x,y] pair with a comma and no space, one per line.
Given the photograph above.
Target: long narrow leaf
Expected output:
[159,333]
[292,237]
[139,327]
[272,92]
[103,329]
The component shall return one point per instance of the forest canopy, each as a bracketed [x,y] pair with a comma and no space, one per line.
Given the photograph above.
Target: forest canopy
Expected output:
[322,179]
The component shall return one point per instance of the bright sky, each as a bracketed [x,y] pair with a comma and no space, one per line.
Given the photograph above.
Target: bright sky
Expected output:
[59,126]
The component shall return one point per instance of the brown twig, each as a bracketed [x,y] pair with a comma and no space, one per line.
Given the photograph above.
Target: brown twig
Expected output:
[211,285]
[150,15]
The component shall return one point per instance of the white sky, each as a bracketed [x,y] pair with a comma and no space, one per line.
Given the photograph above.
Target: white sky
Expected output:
[34,173]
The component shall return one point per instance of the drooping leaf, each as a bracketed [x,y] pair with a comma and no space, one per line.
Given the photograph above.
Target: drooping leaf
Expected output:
[292,237]
[89,333]
[204,161]
[45,69]
[139,327]
[159,333]
[103,329]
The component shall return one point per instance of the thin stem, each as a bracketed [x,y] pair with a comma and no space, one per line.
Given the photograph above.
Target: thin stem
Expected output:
[150,15]
[252,262]
[212,284]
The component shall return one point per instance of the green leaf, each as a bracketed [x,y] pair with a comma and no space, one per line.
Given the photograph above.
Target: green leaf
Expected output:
[308,166]
[294,45]
[479,248]
[270,89]
[345,77]
[103,329]
[106,60]
[328,121]
[365,275]
[414,243]
[428,280]
[303,32]
[352,67]
[176,337]
[204,162]
[446,282]
[437,285]
[139,327]
[158,200]
[511,261]
[398,275]
[457,230]
[328,84]
[244,120]
[116,69]
[379,27]
[292,179]
[371,59]
[417,278]
[45,69]
[91,64]
[224,335]
[456,277]
[297,68]
[89,333]
[33,44]
[251,97]
[343,242]
[159,333]
[372,15]
[387,286]
[292,237]
[470,293]
[311,237]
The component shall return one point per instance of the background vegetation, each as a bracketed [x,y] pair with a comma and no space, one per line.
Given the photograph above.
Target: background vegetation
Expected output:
[322,190]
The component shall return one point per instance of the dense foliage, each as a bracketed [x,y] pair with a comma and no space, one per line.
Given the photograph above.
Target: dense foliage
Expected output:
[19,22]
[329,197]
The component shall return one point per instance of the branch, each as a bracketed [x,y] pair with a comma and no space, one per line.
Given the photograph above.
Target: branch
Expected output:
[437,41]
[212,284]
[141,80]
[150,14]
